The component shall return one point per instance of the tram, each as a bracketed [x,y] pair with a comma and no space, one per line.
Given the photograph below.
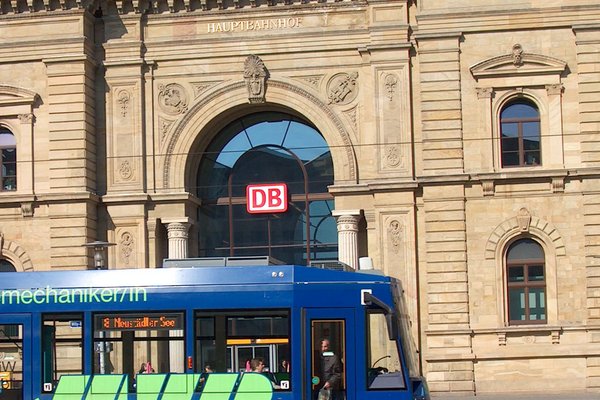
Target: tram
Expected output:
[191,332]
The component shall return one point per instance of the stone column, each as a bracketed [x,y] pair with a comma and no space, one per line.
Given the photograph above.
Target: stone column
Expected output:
[347,226]
[177,234]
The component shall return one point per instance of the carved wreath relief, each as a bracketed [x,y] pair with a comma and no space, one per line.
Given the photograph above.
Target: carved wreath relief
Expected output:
[172,98]
[342,88]
[255,75]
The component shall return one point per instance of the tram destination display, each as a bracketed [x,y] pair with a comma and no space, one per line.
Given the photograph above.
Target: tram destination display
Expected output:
[138,321]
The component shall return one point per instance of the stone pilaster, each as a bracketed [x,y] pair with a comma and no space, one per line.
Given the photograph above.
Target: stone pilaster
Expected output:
[588,58]
[441,106]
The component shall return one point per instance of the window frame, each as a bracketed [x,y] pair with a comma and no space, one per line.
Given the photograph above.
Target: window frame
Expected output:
[526,284]
[4,165]
[519,121]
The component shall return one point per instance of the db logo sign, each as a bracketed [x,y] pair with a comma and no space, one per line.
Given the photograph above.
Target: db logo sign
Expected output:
[269,198]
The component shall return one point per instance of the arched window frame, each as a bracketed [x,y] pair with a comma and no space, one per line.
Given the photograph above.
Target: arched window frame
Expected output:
[307,196]
[549,137]
[553,244]
[17,115]
[524,130]
[8,162]
[504,77]
[526,284]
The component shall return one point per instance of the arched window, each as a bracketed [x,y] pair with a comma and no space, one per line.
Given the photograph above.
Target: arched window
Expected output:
[8,150]
[6,266]
[520,134]
[260,148]
[526,282]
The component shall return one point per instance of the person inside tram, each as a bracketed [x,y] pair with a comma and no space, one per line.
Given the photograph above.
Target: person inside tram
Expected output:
[258,365]
[329,370]
[208,369]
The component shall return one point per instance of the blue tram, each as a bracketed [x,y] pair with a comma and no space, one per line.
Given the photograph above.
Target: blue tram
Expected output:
[192,333]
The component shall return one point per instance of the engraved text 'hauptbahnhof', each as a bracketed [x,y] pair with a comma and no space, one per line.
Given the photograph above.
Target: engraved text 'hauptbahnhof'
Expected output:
[258,25]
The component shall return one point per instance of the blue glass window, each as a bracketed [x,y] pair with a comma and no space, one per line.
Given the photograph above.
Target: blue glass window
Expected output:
[520,134]
[267,147]
[526,282]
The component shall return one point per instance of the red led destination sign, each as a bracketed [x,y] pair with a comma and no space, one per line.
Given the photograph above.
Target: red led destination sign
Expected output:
[138,322]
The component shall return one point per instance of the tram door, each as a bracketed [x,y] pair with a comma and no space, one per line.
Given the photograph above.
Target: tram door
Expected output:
[331,349]
[15,357]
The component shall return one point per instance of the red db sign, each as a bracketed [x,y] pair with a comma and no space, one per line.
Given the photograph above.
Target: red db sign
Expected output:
[269,198]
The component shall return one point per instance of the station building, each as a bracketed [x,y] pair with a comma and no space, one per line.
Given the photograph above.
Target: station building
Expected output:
[451,144]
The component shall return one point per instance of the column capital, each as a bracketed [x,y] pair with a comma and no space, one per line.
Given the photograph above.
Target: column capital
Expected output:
[172,220]
[340,213]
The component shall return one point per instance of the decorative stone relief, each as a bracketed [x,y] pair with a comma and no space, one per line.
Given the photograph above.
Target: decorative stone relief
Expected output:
[163,126]
[485,93]
[255,75]
[524,219]
[27,209]
[126,170]
[201,87]
[352,115]
[312,80]
[395,231]
[26,119]
[172,99]
[391,83]
[517,54]
[342,88]
[392,156]
[126,243]
[488,187]
[123,100]
[554,90]
[558,184]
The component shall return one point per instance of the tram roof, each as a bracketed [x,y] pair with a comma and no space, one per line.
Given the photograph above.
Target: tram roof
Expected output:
[187,276]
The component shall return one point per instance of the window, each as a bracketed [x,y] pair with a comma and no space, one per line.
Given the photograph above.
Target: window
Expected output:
[8,150]
[6,266]
[520,134]
[263,148]
[227,342]
[383,361]
[62,347]
[138,343]
[11,350]
[526,283]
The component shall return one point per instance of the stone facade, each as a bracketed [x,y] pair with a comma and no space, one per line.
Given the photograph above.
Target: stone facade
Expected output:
[110,103]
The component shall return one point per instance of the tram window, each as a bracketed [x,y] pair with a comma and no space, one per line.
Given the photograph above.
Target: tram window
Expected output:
[62,347]
[228,342]
[139,343]
[384,370]
[11,373]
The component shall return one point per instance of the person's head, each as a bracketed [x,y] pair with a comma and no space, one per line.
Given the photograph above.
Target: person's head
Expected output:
[208,368]
[257,364]
[325,345]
